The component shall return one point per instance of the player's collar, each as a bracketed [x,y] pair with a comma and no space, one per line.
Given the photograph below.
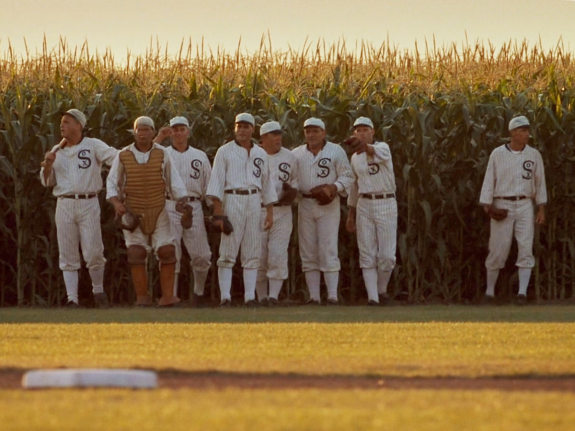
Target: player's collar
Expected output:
[514,151]
[240,145]
[186,149]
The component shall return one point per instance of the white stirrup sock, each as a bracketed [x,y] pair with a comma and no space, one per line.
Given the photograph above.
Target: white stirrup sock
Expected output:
[225,279]
[524,276]
[250,277]
[275,288]
[492,275]
[71,282]
[312,279]
[383,280]
[97,276]
[331,281]
[200,281]
[262,289]
[370,280]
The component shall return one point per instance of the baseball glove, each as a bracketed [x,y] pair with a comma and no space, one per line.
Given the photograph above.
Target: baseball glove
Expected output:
[324,194]
[354,144]
[497,213]
[228,228]
[187,214]
[288,196]
[128,221]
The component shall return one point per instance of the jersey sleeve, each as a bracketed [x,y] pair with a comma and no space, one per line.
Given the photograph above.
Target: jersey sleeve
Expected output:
[218,177]
[174,184]
[382,152]
[487,190]
[540,186]
[105,153]
[353,191]
[116,179]
[269,195]
[344,173]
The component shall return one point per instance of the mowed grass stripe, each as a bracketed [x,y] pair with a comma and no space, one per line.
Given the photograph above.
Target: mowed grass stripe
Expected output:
[387,349]
[317,410]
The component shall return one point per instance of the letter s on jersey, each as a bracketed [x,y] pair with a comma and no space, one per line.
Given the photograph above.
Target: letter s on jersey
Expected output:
[85,161]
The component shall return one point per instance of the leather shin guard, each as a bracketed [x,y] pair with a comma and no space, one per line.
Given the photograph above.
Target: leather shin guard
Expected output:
[140,280]
[167,275]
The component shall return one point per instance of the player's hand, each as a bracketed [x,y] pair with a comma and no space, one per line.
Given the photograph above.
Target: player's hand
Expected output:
[331,190]
[119,207]
[540,219]
[350,224]
[163,134]
[361,147]
[269,221]
[49,158]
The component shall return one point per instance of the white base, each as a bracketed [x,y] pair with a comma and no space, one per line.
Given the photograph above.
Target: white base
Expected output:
[83,378]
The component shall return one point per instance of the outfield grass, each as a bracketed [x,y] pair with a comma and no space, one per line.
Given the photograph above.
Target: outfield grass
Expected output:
[468,348]
[239,410]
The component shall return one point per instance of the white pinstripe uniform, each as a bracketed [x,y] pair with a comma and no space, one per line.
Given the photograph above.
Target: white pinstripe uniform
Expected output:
[163,234]
[76,172]
[318,225]
[513,174]
[376,216]
[275,241]
[194,169]
[235,170]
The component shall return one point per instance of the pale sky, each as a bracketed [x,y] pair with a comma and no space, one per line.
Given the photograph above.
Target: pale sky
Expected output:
[123,25]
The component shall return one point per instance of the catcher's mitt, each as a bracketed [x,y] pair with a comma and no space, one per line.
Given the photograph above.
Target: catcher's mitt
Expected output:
[128,221]
[324,194]
[228,228]
[187,214]
[497,213]
[288,196]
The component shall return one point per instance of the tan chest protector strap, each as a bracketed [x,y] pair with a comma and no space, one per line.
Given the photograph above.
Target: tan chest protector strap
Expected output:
[145,187]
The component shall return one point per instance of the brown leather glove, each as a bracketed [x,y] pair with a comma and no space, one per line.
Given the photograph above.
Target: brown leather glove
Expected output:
[288,195]
[355,145]
[128,221]
[497,213]
[187,214]
[324,194]
[227,229]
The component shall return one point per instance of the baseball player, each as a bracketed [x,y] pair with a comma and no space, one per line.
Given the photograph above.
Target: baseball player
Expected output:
[275,241]
[141,175]
[240,174]
[373,209]
[324,174]
[73,168]
[194,169]
[514,182]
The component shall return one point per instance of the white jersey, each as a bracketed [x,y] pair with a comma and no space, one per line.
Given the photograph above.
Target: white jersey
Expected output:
[373,174]
[329,166]
[117,176]
[514,174]
[194,169]
[235,169]
[283,169]
[78,169]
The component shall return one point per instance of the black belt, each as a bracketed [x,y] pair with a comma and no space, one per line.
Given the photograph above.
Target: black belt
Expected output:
[306,196]
[278,205]
[84,196]
[512,198]
[186,199]
[378,196]
[241,192]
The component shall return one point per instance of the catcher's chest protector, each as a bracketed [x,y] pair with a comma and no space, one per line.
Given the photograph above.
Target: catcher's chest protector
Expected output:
[145,187]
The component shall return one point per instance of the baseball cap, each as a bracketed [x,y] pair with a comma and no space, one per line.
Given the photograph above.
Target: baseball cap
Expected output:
[270,126]
[78,116]
[144,121]
[179,121]
[244,117]
[314,122]
[517,122]
[363,121]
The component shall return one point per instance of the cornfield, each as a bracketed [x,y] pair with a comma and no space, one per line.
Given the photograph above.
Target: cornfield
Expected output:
[441,109]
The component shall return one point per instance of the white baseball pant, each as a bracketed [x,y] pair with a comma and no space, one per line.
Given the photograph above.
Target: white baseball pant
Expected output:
[376,225]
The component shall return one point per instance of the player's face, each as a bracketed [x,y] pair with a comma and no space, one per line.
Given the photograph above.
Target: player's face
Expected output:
[180,134]
[364,134]
[520,136]
[272,142]
[69,127]
[144,134]
[314,135]
[243,131]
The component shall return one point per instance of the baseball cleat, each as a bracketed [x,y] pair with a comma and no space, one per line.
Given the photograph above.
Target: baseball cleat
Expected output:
[372,303]
[72,304]
[384,299]
[332,302]
[199,301]
[252,303]
[101,300]
[272,303]
[521,300]
[313,302]
[226,303]
[265,302]
[488,300]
